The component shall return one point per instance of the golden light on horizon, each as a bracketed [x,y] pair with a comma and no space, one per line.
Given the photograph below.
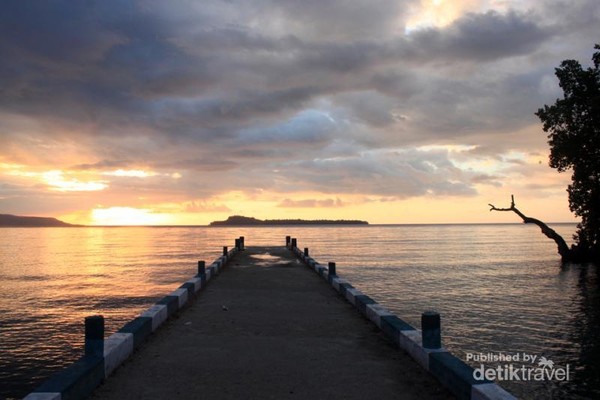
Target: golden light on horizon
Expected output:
[493,178]
[426,209]
[127,216]
[136,173]
[56,179]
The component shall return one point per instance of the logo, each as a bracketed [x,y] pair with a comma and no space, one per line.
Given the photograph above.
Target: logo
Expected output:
[517,367]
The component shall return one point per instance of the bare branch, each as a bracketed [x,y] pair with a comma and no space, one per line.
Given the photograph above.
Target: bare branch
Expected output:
[563,249]
[512,205]
[494,208]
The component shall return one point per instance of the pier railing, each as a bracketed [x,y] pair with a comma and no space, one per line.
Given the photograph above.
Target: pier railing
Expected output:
[102,356]
[424,345]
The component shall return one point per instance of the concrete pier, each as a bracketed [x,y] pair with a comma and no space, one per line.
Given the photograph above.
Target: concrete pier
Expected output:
[268,328]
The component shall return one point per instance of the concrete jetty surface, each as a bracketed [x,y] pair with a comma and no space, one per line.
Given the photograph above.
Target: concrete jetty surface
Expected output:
[268,328]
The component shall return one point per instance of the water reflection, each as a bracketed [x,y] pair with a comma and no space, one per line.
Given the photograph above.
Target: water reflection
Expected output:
[52,278]
[585,323]
[498,288]
[266,259]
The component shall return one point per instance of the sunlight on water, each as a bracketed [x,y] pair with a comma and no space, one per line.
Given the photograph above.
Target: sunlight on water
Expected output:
[499,288]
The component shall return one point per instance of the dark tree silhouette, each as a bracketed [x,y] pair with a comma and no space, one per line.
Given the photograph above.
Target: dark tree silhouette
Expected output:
[573,126]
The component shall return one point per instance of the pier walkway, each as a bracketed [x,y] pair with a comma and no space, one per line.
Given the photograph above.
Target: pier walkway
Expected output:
[269,328]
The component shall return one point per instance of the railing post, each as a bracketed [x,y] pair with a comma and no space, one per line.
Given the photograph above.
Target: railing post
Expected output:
[294,243]
[225,251]
[201,268]
[431,330]
[238,246]
[94,336]
[306,252]
[242,244]
[287,241]
[331,269]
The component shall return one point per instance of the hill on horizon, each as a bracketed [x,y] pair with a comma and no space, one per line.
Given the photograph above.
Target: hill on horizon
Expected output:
[238,220]
[9,220]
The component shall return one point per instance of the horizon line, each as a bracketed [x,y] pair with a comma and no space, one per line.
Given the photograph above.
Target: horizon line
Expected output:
[336,225]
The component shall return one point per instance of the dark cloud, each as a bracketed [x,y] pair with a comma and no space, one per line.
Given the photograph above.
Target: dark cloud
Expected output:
[101,165]
[482,37]
[204,164]
[338,20]
[56,32]
[399,174]
[310,127]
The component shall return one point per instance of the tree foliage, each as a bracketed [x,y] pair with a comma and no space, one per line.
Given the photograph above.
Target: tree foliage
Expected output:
[573,127]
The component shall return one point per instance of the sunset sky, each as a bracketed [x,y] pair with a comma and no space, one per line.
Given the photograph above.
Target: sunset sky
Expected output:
[183,112]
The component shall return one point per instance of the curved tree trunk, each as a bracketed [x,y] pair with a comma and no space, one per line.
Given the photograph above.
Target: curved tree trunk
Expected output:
[564,250]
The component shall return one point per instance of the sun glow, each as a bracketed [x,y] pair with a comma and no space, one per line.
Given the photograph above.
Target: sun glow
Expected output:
[57,181]
[440,13]
[127,216]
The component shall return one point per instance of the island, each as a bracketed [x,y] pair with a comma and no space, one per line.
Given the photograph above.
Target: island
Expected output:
[17,221]
[238,220]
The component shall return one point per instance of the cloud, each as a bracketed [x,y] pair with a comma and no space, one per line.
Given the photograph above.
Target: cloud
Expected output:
[204,206]
[309,127]
[487,180]
[482,37]
[400,174]
[311,203]
[325,96]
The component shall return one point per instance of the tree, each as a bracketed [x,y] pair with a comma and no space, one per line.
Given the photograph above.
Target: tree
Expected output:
[573,127]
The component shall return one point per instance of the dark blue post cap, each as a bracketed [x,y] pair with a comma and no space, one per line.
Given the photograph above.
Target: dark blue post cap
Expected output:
[431,330]
[94,335]
[201,268]
[332,268]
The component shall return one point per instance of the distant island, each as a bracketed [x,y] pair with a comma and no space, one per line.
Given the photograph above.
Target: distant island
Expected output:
[238,220]
[8,220]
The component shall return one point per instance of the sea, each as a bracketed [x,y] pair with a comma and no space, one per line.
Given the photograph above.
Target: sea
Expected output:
[505,299]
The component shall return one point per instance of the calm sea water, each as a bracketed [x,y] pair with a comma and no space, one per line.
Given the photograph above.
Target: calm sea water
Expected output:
[499,288]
